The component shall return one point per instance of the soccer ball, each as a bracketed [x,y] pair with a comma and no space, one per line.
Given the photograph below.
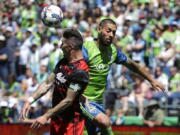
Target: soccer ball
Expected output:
[52,16]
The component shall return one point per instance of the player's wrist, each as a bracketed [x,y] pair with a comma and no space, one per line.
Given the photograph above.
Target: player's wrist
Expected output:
[30,100]
[47,116]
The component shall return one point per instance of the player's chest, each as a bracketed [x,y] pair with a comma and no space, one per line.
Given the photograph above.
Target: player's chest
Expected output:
[101,61]
[63,75]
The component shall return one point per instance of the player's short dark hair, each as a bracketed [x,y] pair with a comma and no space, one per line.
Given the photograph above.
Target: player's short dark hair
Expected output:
[105,21]
[74,37]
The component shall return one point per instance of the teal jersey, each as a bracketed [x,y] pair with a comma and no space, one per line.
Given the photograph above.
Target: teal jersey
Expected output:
[99,63]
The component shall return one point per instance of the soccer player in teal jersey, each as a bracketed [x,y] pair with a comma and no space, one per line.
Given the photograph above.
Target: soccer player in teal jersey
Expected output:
[100,55]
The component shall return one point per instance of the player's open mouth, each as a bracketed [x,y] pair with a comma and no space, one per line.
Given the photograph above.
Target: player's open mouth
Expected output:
[109,40]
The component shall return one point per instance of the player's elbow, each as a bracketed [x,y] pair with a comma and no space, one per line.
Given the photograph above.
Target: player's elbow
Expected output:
[68,102]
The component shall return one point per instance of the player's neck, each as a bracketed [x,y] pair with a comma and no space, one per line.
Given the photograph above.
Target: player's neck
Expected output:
[75,56]
[101,46]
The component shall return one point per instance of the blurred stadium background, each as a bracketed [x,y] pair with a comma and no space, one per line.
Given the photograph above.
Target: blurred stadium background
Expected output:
[148,32]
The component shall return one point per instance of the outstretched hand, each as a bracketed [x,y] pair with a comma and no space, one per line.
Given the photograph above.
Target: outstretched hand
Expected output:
[157,86]
[27,121]
[36,123]
[25,111]
[39,122]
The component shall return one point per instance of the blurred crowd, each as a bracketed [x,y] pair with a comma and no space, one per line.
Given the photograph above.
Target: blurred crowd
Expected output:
[148,32]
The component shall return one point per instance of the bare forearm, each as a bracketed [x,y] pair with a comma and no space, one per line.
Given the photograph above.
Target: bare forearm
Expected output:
[138,69]
[40,91]
[63,105]
[44,87]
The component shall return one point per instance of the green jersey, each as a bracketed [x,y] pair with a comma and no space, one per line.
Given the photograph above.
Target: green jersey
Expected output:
[99,62]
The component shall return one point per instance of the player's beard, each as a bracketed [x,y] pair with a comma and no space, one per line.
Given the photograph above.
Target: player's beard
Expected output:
[104,41]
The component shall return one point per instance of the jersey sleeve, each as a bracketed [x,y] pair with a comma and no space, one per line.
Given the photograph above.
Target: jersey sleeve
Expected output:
[121,57]
[85,54]
[79,81]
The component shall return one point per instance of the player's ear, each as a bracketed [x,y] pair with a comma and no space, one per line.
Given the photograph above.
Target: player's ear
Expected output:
[98,29]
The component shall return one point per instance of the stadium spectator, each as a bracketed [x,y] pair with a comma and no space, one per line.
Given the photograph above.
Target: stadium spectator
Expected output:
[120,114]
[154,115]
[175,96]
[31,88]
[43,74]
[45,49]
[125,40]
[4,112]
[137,48]
[167,57]
[26,79]
[161,77]
[2,85]
[14,88]
[13,109]
[55,56]
[34,59]
[174,79]
[12,43]
[111,89]
[4,53]
[122,88]
[140,89]
[24,52]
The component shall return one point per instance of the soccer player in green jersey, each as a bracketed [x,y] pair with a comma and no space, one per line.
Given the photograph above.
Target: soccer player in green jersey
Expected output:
[100,55]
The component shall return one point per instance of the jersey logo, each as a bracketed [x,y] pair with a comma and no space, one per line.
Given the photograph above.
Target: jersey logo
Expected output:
[61,78]
[74,87]
[101,66]
[91,108]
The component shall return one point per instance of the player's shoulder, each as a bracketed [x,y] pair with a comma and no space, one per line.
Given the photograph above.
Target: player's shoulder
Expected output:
[82,65]
[89,49]
[81,73]
[113,46]
[114,49]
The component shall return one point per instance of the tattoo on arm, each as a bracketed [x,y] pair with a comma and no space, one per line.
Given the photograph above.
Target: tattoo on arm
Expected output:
[44,87]
[135,67]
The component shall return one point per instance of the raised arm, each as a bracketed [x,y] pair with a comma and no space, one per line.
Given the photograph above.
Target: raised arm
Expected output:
[40,91]
[135,67]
